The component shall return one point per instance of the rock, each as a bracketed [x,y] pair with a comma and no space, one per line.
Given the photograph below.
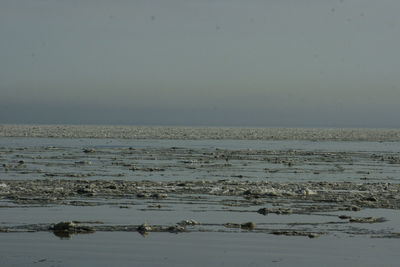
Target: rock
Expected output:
[111,187]
[232,225]
[63,226]
[280,211]
[7,166]
[371,198]
[85,191]
[188,222]
[141,195]
[354,208]
[159,196]
[248,226]
[313,235]
[83,162]
[247,192]
[66,229]
[176,229]
[306,192]
[263,211]
[144,228]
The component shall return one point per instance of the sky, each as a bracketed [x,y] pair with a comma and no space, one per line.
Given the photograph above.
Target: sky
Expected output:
[262,63]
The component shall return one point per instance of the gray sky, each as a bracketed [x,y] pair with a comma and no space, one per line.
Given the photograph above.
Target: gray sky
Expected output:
[201,62]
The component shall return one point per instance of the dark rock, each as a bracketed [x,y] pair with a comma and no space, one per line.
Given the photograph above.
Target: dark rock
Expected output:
[371,198]
[279,211]
[144,228]
[66,229]
[248,226]
[111,187]
[85,191]
[313,235]
[141,195]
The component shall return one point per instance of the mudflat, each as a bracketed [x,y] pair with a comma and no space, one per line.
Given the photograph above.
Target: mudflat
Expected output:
[72,184]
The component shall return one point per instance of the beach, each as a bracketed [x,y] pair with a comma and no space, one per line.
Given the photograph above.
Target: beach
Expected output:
[192,196]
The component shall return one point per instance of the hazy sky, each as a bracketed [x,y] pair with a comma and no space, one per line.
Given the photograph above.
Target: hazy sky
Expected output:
[201,62]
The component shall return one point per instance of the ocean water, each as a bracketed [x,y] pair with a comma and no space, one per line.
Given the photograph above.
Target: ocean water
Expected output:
[163,155]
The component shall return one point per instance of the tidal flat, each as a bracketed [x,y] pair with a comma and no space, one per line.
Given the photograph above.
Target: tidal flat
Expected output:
[237,196]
